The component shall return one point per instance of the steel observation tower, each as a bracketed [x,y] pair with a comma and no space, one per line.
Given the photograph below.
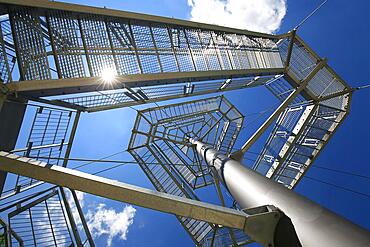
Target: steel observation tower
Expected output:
[59,61]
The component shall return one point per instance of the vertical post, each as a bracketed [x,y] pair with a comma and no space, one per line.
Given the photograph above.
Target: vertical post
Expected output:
[204,54]
[173,48]
[111,45]
[50,222]
[32,228]
[88,61]
[190,50]
[64,215]
[214,236]
[290,49]
[65,163]
[16,45]
[71,218]
[83,220]
[8,236]
[218,53]
[9,233]
[52,41]
[231,61]
[133,43]
[306,224]
[3,51]
[156,48]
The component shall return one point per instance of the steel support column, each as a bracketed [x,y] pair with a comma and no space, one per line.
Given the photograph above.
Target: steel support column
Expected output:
[314,225]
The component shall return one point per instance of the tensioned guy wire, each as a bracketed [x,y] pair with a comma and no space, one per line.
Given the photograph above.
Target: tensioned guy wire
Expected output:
[337,186]
[310,15]
[341,171]
[331,184]
[362,87]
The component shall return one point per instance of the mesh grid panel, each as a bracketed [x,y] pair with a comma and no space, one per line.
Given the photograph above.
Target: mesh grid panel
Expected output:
[4,64]
[98,49]
[67,44]
[30,44]
[72,43]
[47,139]
[41,223]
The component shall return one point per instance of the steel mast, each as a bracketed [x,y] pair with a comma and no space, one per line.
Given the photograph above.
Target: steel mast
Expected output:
[314,225]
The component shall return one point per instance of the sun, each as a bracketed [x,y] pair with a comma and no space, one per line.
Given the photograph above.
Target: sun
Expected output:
[108,75]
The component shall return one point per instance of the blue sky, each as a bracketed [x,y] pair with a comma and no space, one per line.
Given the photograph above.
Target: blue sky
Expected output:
[340,32]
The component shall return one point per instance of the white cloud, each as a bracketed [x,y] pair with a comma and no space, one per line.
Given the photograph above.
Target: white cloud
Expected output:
[105,221]
[254,15]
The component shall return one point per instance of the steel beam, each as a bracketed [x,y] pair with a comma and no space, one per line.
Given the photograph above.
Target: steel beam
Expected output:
[253,225]
[109,34]
[311,224]
[154,137]
[164,98]
[133,43]
[290,48]
[38,88]
[58,103]
[337,94]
